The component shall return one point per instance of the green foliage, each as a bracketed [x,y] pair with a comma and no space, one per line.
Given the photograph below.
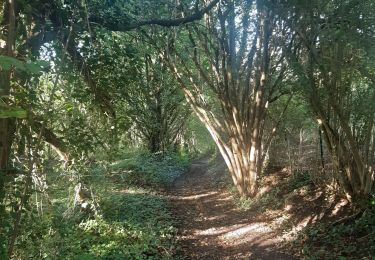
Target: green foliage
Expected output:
[132,222]
[119,237]
[298,180]
[7,63]
[267,201]
[12,112]
[335,75]
[150,170]
[199,139]
[353,240]
[99,71]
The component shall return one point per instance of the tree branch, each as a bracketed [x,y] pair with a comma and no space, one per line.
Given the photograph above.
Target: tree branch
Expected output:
[161,22]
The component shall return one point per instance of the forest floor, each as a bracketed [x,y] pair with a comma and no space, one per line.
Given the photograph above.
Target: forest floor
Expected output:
[211,225]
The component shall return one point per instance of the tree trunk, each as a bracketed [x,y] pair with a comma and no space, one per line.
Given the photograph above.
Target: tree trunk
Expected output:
[232,83]
[7,126]
[321,148]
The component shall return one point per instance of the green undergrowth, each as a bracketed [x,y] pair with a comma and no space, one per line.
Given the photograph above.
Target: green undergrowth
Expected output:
[268,201]
[354,239]
[133,220]
[297,180]
[149,170]
[274,197]
[222,179]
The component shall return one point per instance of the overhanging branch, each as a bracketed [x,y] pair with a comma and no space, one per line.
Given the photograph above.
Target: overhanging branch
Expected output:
[161,22]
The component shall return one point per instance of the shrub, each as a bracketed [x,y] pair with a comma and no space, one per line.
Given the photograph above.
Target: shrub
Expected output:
[150,170]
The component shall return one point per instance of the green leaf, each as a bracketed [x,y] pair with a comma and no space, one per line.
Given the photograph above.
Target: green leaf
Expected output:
[7,62]
[36,67]
[12,112]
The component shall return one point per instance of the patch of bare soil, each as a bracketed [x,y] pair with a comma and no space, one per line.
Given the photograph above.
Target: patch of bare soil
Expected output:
[211,226]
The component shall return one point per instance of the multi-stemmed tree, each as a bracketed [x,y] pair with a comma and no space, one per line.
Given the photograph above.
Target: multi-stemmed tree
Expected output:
[231,67]
[333,58]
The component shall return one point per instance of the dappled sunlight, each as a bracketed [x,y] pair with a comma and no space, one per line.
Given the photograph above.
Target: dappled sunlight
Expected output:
[193,197]
[264,190]
[315,196]
[338,207]
[227,198]
[280,220]
[248,229]
[211,222]
[211,231]
[132,191]
[220,232]
[211,129]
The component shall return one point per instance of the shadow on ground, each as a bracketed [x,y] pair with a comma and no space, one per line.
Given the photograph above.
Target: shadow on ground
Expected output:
[212,227]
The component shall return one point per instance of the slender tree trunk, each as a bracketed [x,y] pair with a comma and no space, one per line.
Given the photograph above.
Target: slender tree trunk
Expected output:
[7,125]
[230,87]
[321,148]
[300,144]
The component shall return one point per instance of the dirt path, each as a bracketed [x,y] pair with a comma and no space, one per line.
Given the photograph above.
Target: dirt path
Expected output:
[210,225]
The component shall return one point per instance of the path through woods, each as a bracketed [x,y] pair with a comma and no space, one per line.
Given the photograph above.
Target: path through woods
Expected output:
[212,227]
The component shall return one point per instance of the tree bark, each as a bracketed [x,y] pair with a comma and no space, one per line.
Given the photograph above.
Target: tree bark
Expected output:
[7,126]
[242,89]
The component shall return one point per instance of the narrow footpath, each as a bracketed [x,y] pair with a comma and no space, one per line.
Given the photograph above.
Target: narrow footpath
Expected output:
[212,227]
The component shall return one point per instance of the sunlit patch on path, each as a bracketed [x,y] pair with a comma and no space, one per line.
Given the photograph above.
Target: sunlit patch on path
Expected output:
[244,230]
